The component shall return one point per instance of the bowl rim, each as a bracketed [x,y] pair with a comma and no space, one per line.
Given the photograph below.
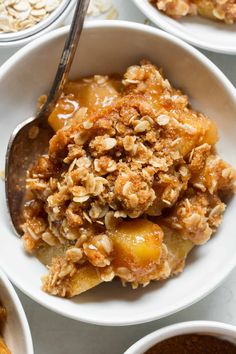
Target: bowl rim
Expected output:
[9,36]
[227,85]
[188,327]
[23,37]
[20,310]
[160,22]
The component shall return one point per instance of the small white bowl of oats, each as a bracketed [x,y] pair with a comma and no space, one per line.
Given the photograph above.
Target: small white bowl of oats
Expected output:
[21,21]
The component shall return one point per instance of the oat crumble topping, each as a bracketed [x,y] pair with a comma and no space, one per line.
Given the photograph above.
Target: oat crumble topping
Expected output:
[130,184]
[3,318]
[221,10]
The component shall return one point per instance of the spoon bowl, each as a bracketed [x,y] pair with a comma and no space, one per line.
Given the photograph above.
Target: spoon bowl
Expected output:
[30,138]
[28,141]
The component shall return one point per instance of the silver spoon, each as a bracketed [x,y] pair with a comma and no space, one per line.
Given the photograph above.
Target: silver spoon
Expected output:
[31,137]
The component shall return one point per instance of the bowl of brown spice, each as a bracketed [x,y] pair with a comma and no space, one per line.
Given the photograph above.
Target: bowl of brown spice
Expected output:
[194,337]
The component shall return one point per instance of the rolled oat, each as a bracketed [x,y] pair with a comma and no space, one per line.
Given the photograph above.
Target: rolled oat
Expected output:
[17,15]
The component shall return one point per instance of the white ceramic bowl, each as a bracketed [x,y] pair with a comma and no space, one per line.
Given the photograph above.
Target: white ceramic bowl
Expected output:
[16,330]
[54,20]
[216,329]
[199,31]
[110,47]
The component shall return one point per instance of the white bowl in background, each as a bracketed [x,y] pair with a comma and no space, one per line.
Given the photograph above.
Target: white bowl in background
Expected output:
[216,329]
[110,47]
[198,31]
[54,20]
[16,329]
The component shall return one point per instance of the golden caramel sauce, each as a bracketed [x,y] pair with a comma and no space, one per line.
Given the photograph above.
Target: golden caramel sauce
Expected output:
[94,94]
[63,112]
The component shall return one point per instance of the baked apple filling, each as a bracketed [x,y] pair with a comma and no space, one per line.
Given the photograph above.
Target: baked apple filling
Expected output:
[130,184]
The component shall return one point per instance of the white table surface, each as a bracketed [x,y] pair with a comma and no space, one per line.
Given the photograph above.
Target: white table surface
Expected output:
[54,334]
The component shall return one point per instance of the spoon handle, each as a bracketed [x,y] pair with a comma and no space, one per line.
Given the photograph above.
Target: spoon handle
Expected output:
[67,56]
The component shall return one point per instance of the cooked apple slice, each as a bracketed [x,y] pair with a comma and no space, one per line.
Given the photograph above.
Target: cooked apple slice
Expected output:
[178,249]
[86,277]
[46,253]
[137,249]
[68,279]
[202,130]
[96,93]
[3,347]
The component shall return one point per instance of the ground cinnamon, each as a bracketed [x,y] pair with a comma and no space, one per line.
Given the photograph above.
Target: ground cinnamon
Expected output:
[193,344]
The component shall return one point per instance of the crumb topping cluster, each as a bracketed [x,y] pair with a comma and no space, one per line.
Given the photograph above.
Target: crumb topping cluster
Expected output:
[3,317]
[143,164]
[223,10]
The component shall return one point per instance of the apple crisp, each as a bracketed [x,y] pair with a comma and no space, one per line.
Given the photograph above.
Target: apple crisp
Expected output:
[220,10]
[130,184]
[3,317]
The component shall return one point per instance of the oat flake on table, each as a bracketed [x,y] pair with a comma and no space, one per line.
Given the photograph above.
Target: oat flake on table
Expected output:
[17,15]
[102,7]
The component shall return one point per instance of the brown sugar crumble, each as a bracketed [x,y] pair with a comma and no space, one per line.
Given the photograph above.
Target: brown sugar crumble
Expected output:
[3,318]
[130,184]
[193,344]
[220,10]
